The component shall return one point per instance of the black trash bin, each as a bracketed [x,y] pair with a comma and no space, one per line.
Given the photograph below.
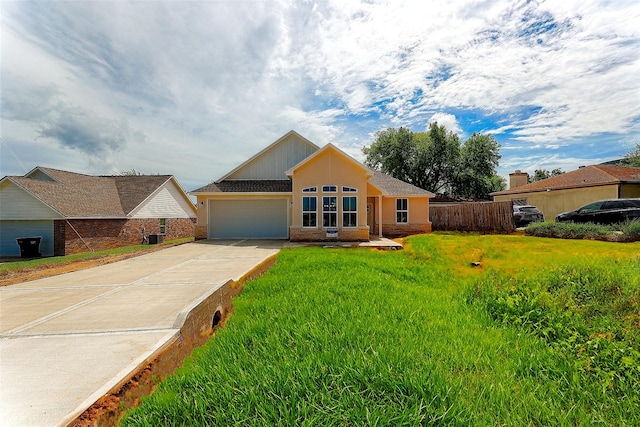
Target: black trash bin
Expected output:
[29,247]
[156,239]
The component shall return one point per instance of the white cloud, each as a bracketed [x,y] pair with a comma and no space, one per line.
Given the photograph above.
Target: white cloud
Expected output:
[199,86]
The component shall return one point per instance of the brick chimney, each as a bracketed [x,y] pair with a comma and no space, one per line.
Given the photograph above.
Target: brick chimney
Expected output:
[517,179]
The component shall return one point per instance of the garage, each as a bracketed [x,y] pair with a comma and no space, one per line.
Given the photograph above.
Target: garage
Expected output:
[248,219]
[11,230]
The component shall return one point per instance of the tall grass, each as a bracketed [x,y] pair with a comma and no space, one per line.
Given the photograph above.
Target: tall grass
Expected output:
[360,337]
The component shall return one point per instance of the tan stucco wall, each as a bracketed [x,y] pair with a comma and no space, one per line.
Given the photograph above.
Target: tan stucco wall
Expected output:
[630,191]
[418,216]
[329,168]
[551,203]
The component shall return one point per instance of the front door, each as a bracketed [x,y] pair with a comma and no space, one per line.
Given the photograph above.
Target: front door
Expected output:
[370,217]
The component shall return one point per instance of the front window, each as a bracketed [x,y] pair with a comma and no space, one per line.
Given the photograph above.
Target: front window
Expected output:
[349,211]
[329,188]
[310,190]
[329,211]
[309,212]
[163,226]
[402,211]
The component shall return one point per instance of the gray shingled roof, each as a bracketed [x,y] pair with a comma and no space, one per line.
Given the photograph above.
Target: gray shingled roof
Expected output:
[83,196]
[391,186]
[248,186]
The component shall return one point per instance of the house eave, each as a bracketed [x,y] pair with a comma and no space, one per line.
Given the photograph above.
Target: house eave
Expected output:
[566,187]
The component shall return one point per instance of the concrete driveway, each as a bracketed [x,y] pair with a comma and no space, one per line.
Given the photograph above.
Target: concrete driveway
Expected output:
[66,341]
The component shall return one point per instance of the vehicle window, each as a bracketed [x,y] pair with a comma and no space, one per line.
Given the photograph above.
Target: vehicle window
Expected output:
[631,203]
[614,204]
[595,206]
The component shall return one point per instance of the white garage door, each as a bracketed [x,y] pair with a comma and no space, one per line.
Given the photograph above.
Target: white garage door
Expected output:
[11,230]
[248,219]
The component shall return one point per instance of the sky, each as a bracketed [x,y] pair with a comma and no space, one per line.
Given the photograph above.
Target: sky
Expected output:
[195,88]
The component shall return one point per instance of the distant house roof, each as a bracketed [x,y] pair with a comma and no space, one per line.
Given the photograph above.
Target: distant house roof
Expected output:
[391,186]
[76,195]
[588,176]
[247,186]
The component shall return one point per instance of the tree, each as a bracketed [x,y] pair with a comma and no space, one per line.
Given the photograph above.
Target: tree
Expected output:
[438,153]
[476,177]
[132,172]
[541,174]
[393,153]
[435,160]
[633,157]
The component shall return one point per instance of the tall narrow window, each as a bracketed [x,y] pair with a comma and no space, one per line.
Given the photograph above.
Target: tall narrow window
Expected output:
[329,211]
[402,211]
[349,211]
[309,211]
[163,226]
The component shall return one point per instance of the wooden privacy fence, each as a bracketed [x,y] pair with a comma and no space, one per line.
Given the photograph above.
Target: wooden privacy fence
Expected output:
[486,217]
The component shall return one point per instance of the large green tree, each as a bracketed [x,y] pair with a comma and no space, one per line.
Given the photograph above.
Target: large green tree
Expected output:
[436,161]
[476,177]
[541,174]
[633,157]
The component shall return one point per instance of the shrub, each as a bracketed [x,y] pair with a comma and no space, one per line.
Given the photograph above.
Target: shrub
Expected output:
[624,232]
[588,313]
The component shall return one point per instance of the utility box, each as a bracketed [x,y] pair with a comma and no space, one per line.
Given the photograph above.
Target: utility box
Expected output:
[332,233]
[156,239]
[29,247]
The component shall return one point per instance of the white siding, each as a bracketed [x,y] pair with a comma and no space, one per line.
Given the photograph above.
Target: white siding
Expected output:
[11,230]
[274,163]
[16,204]
[168,202]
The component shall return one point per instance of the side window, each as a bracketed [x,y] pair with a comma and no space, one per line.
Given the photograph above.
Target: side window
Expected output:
[309,211]
[614,204]
[349,211]
[163,226]
[591,207]
[402,211]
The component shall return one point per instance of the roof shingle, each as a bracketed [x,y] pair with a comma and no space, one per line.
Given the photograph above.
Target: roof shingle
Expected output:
[587,176]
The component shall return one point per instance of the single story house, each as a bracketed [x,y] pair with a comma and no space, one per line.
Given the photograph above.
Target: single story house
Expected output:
[573,189]
[295,190]
[75,213]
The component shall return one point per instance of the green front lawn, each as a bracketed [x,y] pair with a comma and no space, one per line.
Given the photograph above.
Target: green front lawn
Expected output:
[335,336]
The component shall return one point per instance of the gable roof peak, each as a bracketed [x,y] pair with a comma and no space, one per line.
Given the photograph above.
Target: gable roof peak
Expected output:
[327,147]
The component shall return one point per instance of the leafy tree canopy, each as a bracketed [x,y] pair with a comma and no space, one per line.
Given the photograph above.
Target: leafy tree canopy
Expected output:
[633,157]
[436,160]
[541,174]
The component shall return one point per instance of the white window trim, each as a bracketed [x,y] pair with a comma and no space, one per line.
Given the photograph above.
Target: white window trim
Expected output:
[330,212]
[316,212]
[349,212]
[402,210]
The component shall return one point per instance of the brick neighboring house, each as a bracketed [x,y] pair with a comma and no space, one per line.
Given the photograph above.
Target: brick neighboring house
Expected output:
[295,190]
[572,190]
[75,213]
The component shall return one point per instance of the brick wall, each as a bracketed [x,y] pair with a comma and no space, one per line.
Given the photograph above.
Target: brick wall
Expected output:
[200,232]
[86,235]
[298,234]
[401,230]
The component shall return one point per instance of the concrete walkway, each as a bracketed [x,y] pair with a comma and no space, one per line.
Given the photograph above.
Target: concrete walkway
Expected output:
[67,340]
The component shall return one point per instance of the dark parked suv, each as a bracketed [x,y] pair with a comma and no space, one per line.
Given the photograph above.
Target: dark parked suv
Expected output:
[526,214]
[604,212]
